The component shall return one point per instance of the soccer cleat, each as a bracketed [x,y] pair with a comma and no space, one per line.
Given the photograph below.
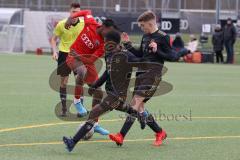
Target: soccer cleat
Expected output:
[101,130]
[159,138]
[81,109]
[118,138]
[70,144]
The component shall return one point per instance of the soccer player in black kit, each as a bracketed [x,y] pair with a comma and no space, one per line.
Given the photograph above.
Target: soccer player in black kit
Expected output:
[119,66]
[155,48]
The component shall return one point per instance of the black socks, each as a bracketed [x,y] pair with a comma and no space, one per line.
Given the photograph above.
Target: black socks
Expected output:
[82,131]
[127,125]
[63,97]
[146,117]
[151,122]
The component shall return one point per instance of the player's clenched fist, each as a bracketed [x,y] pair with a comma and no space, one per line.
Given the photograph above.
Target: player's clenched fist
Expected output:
[153,46]
[55,56]
[125,37]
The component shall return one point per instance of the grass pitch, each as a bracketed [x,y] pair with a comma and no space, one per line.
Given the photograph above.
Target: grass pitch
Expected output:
[201,116]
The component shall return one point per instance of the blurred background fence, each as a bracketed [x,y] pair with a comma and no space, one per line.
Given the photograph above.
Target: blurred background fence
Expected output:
[130,6]
[27,24]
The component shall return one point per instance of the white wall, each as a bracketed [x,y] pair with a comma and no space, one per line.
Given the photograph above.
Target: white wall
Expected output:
[38,28]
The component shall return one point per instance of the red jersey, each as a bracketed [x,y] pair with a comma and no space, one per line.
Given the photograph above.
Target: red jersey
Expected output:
[89,45]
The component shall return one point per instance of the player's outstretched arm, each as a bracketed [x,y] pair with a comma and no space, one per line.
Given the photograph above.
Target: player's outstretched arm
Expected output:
[101,80]
[70,20]
[168,54]
[82,13]
[171,55]
[132,58]
[98,83]
[128,45]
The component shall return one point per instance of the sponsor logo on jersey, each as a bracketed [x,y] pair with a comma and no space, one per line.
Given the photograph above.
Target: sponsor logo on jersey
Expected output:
[87,41]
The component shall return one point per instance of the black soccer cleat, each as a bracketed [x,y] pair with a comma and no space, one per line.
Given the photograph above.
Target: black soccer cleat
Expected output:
[119,144]
[70,144]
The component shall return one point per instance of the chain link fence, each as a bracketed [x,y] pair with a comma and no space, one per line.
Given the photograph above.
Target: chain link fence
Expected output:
[130,6]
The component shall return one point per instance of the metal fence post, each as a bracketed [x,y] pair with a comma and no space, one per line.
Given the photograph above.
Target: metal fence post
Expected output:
[135,6]
[53,4]
[129,5]
[26,4]
[154,5]
[179,5]
[217,11]
[237,3]
[39,4]
[104,5]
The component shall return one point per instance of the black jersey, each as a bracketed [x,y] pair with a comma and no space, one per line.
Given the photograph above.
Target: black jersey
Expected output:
[164,51]
[118,72]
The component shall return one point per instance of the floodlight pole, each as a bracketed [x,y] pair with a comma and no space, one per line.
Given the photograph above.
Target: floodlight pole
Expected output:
[104,5]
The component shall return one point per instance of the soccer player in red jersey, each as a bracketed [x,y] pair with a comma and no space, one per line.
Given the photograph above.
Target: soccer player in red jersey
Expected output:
[88,47]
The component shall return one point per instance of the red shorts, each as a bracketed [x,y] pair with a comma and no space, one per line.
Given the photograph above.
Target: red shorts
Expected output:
[91,75]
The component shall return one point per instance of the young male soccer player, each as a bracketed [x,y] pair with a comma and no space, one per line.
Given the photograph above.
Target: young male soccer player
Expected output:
[67,37]
[116,76]
[155,48]
[87,48]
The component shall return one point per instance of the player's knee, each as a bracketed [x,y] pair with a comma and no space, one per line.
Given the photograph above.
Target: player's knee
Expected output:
[81,71]
[64,81]
[136,107]
[98,94]
[63,85]
[137,103]
[128,109]
[97,97]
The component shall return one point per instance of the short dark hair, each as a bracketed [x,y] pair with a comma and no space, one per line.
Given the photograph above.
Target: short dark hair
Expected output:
[146,16]
[109,23]
[75,5]
[114,36]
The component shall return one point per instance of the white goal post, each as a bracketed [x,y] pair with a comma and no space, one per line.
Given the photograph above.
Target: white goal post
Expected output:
[11,39]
